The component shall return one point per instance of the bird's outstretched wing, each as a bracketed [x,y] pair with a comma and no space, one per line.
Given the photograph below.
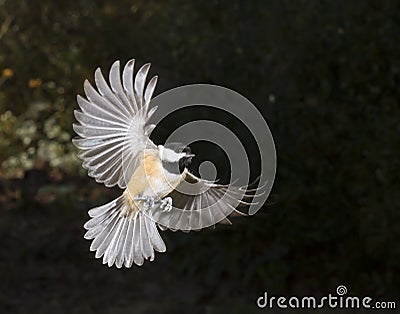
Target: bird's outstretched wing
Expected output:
[199,203]
[113,130]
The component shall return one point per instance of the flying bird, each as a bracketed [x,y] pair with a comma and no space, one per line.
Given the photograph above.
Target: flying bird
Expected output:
[159,191]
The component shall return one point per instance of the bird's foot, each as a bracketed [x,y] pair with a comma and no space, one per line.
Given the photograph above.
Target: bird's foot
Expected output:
[147,200]
[166,204]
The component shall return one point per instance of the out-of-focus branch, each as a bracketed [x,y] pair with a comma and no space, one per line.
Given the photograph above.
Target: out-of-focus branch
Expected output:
[5,26]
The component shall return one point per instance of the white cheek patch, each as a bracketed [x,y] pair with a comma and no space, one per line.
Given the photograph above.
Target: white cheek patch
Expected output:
[169,155]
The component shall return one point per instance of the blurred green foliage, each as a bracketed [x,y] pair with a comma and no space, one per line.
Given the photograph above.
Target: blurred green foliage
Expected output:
[324,74]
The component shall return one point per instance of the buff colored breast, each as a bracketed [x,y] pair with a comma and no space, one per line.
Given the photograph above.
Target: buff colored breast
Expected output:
[150,179]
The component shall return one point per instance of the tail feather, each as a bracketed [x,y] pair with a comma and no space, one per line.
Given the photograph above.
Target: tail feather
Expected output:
[155,237]
[137,246]
[110,253]
[122,239]
[128,250]
[119,259]
[106,237]
[147,249]
[102,240]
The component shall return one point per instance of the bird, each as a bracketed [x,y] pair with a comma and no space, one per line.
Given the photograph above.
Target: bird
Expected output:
[158,190]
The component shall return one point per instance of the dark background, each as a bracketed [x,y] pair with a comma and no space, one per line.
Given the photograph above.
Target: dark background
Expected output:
[325,75]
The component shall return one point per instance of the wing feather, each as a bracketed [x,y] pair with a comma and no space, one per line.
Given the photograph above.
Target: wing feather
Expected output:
[149,93]
[106,91]
[204,203]
[139,84]
[112,126]
[127,78]
[94,110]
[114,108]
[116,86]
[91,121]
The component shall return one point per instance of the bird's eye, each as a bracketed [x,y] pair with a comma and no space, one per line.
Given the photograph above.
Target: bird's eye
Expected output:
[187,150]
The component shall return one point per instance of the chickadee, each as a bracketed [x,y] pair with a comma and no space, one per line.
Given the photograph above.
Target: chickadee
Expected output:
[113,139]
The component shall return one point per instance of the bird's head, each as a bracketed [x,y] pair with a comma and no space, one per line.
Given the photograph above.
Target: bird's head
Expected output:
[175,157]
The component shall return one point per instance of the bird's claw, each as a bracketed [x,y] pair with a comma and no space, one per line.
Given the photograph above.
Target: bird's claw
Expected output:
[166,204]
[148,200]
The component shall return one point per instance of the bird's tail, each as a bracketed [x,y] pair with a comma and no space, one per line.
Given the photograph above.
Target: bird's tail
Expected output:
[122,239]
